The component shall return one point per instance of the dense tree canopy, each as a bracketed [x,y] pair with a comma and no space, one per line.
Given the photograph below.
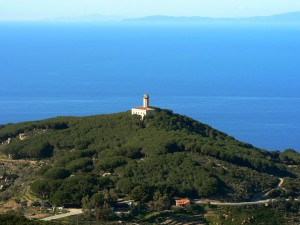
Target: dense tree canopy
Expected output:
[15,219]
[166,153]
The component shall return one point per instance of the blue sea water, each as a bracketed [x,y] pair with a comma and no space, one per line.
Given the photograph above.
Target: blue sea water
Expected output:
[243,80]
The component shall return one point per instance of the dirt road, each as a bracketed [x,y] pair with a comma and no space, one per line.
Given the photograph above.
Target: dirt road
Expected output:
[71,212]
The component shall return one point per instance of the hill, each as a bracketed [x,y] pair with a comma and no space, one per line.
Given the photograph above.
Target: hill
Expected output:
[68,160]
[286,18]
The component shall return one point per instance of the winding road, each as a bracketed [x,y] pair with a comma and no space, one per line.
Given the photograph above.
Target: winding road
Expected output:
[234,203]
[281,182]
[254,202]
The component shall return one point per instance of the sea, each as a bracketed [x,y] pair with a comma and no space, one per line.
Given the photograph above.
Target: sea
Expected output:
[241,79]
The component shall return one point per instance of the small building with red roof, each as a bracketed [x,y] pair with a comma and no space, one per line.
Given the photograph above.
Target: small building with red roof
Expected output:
[182,202]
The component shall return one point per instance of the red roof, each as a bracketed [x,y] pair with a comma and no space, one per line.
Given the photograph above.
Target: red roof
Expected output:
[183,201]
[143,108]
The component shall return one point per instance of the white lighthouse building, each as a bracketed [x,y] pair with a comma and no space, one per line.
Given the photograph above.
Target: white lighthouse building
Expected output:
[143,110]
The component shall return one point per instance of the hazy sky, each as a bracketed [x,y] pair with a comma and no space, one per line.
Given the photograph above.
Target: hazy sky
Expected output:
[32,9]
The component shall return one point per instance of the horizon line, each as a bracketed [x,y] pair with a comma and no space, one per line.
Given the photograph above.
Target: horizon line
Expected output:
[113,18]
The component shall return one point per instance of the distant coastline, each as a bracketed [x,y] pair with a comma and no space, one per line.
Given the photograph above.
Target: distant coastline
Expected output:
[285,18]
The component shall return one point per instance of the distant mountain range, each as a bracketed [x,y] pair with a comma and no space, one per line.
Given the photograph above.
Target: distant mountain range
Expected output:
[287,18]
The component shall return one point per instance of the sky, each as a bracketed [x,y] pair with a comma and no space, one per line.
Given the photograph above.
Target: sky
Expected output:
[39,9]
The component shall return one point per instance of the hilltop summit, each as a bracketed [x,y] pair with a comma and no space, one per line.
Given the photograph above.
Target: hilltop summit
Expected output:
[166,152]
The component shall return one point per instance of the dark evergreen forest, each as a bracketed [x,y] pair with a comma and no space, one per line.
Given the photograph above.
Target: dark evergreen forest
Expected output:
[165,156]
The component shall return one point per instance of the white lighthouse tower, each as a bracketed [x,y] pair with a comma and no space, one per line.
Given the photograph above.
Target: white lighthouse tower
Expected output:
[143,110]
[146,101]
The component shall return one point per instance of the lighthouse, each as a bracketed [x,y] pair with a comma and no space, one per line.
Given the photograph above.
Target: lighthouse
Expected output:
[146,101]
[143,110]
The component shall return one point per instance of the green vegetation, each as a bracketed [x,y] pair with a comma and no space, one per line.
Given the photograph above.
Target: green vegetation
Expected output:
[165,155]
[15,219]
[290,156]
[29,149]
[279,213]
